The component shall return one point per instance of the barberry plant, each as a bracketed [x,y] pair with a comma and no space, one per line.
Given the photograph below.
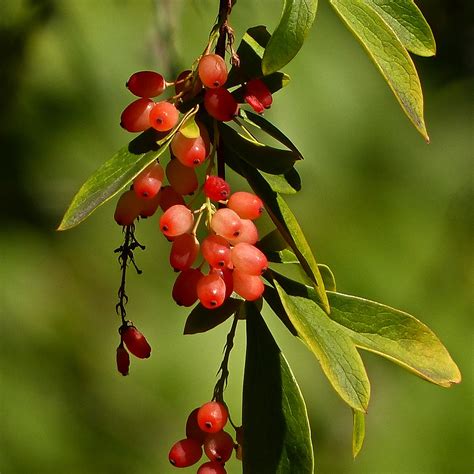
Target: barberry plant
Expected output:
[208,120]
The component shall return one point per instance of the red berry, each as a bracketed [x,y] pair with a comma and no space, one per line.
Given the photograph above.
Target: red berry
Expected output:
[128,208]
[185,453]
[122,359]
[248,233]
[183,81]
[219,446]
[189,151]
[164,116]
[205,137]
[192,428]
[227,223]
[226,275]
[258,95]
[176,220]
[212,417]
[249,287]
[146,84]
[148,183]
[182,179]
[211,291]
[184,251]
[136,342]
[249,259]
[135,117]
[216,250]
[185,287]
[216,188]
[220,104]
[212,71]
[212,467]
[246,205]
[149,206]
[169,198]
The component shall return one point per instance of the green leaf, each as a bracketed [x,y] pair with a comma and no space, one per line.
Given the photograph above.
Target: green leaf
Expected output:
[190,128]
[358,432]
[288,183]
[265,158]
[332,347]
[388,54]
[277,438]
[202,319]
[328,277]
[396,335]
[263,124]
[285,222]
[113,176]
[288,38]
[408,23]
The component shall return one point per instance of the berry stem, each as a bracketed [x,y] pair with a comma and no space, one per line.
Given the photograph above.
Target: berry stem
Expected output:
[126,256]
[224,367]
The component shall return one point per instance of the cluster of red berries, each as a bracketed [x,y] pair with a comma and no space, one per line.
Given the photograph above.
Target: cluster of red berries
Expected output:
[133,340]
[205,429]
[218,101]
[235,264]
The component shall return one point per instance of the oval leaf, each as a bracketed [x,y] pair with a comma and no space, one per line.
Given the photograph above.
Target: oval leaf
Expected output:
[408,23]
[277,438]
[396,335]
[295,22]
[334,349]
[202,319]
[388,54]
[113,176]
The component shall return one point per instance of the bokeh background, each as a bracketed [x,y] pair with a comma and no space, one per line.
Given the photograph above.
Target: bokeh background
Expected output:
[391,215]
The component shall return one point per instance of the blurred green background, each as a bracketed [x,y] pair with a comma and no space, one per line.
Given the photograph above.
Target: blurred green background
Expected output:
[391,215]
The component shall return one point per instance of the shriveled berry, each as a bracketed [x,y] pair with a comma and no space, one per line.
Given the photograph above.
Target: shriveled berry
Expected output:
[257,95]
[212,70]
[192,428]
[177,220]
[226,275]
[249,287]
[136,116]
[185,287]
[136,342]
[226,222]
[248,233]
[184,251]
[149,206]
[185,453]
[183,179]
[128,208]
[189,151]
[148,183]
[220,104]
[219,446]
[246,205]
[146,84]
[249,259]
[169,198]
[164,116]
[211,291]
[122,359]
[216,188]
[216,250]
[212,467]
[212,417]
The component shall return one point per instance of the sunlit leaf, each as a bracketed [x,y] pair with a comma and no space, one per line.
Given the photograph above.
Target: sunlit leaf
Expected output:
[388,54]
[277,438]
[408,23]
[113,176]
[288,38]
[358,432]
[396,335]
[333,348]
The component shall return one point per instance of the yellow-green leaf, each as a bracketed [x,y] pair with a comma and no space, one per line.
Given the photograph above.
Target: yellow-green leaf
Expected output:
[408,23]
[388,54]
[358,432]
